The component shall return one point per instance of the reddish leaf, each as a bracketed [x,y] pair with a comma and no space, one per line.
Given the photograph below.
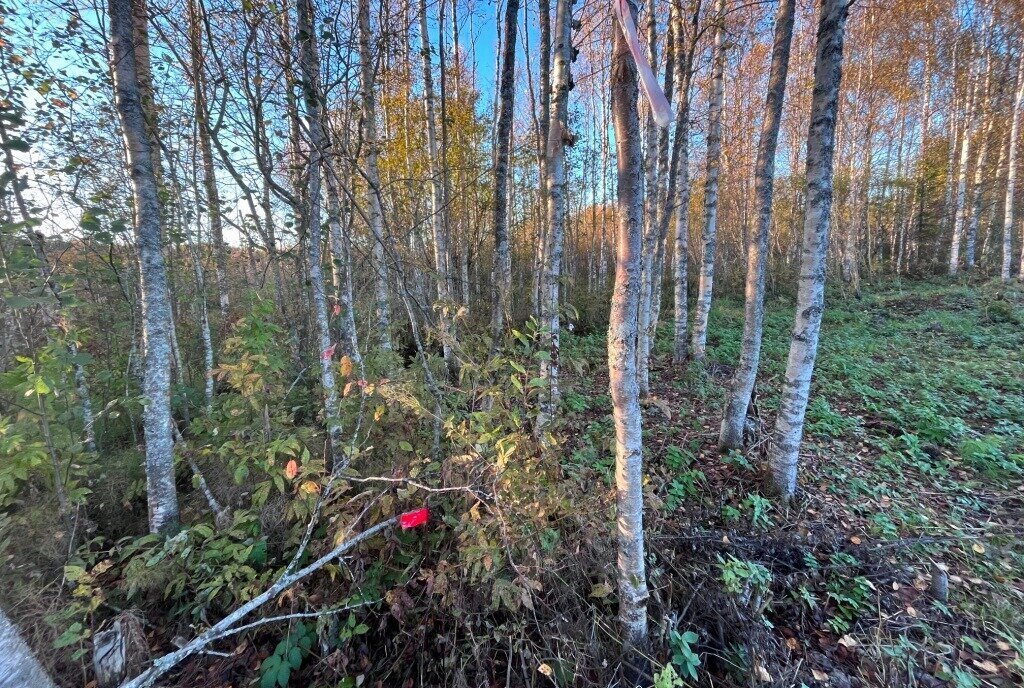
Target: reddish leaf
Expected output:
[329,352]
[291,469]
[411,519]
[337,309]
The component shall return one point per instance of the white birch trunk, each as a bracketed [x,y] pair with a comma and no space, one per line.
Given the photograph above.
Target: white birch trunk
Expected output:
[709,236]
[961,189]
[438,211]
[374,211]
[622,342]
[309,64]
[810,304]
[558,135]
[1011,177]
[161,492]
[734,418]
[19,667]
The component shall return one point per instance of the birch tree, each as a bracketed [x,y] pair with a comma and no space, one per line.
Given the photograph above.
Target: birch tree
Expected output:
[558,136]
[1011,177]
[312,98]
[709,235]
[161,492]
[742,386]
[438,205]
[506,100]
[810,302]
[375,208]
[622,322]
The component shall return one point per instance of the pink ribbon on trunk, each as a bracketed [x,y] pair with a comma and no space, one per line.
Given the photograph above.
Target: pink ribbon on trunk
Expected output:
[660,108]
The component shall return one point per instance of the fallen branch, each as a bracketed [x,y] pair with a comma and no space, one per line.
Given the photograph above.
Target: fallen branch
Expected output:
[223,628]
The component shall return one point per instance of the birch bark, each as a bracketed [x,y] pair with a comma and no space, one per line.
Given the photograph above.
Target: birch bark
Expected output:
[161,491]
[709,236]
[734,418]
[1011,177]
[622,343]
[810,305]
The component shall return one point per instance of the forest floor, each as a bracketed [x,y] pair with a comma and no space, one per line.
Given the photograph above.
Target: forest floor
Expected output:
[900,563]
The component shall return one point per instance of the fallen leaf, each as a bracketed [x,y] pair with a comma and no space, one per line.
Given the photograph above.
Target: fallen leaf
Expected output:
[762,674]
[545,669]
[792,644]
[819,675]
[912,612]
[600,590]
[848,641]
[978,547]
[986,665]
[855,540]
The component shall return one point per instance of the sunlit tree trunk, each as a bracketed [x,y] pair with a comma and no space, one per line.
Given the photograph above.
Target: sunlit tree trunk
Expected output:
[312,96]
[558,136]
[1011,177]
[961,189]
[810,304]
[161,491]
[977,187]
[506,95]
[622,342]
[709,235]
[734,418]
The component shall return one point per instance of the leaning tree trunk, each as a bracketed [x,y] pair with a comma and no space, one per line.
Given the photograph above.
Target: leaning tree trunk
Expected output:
[828,64]
[156,310]
[19,667]
[709,236]
[1011,177]
[438,211]
[622,344]
[312,95]
[375,211]
[558,136]
[506,95]
[734,418]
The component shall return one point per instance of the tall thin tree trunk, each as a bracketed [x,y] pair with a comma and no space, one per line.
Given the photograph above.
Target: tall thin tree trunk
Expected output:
[506,94]
[213,209]
[622,343]
[1011,177]
[681,235]
[810,305]
[977,188]
[558,136]
[375,211]
[161,491]
[709,237]
[437,204]
[734,418]
[312,96]
[961,193]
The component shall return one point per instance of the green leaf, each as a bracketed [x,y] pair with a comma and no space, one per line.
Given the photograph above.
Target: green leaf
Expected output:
[405,446]
[284,674]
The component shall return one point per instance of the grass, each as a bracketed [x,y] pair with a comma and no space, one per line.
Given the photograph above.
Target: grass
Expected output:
[913,457]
